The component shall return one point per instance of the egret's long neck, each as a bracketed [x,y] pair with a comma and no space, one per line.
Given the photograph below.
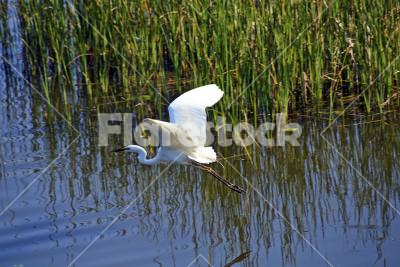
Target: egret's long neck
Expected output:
[142,154]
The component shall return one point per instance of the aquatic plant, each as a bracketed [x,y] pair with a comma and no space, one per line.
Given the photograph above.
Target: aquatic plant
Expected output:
[175,48]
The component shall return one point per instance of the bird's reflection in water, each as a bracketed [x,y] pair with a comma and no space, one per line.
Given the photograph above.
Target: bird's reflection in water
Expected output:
[238,259]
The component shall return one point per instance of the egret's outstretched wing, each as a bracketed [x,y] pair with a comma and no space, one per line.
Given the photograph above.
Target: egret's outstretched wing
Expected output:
[175,138]
[189,108]
[168,136]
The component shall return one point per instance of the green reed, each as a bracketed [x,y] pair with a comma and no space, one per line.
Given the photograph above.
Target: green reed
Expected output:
[230,44]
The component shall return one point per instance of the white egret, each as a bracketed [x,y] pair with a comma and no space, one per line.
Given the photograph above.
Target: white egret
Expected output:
[187,133]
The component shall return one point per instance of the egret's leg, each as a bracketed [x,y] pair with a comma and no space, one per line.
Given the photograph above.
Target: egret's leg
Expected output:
[219,177]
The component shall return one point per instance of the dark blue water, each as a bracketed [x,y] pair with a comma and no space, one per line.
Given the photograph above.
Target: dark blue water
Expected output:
[184,213]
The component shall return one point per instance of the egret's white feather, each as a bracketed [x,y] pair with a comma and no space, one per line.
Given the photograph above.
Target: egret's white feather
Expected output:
[203,155]
[190,109]
[186,130]
[173,138]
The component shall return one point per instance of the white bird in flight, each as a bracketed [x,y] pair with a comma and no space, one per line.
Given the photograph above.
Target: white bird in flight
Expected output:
[186,133]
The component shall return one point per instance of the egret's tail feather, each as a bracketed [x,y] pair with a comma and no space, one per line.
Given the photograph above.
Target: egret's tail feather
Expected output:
[203,155]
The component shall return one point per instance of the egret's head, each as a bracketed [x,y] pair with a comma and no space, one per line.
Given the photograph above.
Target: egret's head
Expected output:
[136,150]
[120,149]
[139,152]
[128,149]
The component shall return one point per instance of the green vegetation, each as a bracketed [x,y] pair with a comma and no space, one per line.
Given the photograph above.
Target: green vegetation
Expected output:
[230,44]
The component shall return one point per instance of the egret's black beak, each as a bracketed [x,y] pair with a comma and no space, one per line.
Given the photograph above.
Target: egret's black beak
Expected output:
[119,149]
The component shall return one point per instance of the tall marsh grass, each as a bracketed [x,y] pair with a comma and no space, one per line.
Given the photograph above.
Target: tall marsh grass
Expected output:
[231,44]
